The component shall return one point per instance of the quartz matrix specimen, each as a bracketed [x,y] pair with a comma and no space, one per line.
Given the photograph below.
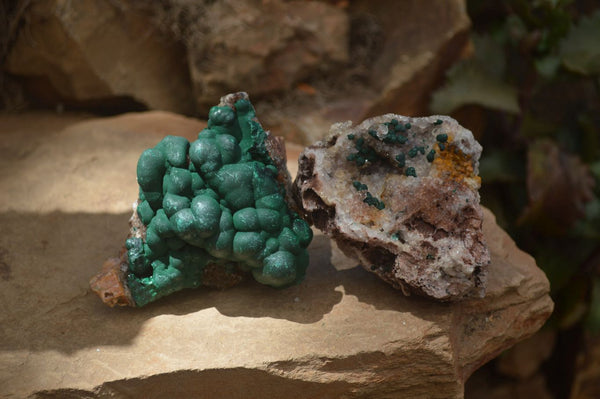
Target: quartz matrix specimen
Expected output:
[401,195]
[212,210]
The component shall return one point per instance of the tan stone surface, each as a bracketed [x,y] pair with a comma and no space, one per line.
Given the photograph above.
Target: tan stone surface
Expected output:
[51,165]
[65,200]
[96,52]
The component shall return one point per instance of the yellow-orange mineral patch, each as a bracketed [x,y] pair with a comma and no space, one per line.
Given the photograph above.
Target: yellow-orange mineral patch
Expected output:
[453,164]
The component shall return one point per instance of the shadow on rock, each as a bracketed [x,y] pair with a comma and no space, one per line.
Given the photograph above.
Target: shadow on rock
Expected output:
[248,383]
[48,303]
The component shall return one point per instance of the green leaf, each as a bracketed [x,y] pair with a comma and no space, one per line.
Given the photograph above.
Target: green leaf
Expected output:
[478,80]
[515,28]
[580,50]
[547,66]
[469,83]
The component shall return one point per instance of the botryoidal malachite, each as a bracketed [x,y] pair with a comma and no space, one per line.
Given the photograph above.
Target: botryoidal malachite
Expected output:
[212,210]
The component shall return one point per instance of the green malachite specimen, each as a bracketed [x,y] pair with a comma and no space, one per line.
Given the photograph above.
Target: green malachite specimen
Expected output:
[214,203]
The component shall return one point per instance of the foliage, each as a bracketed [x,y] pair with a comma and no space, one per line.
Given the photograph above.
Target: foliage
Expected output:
[530,91]
[535,75]
[477,80]
[580,50]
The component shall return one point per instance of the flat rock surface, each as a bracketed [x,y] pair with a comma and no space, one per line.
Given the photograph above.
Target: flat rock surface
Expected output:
[67,187]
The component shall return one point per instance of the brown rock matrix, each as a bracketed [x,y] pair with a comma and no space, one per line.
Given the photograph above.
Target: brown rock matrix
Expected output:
[401,194]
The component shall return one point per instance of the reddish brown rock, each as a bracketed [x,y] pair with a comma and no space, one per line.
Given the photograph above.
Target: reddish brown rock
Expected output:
[401,195]
[110,285]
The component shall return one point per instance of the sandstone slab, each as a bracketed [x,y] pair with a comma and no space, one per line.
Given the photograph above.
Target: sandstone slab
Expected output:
[96,54]
[65,203]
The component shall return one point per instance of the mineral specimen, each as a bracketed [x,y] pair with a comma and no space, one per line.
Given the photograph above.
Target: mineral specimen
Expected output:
[401,195]
[208,212]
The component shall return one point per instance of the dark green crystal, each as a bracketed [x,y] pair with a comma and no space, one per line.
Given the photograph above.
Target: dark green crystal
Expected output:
[214,201]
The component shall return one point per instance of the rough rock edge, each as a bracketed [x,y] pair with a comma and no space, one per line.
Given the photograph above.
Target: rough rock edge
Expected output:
[110,284]
[322,213]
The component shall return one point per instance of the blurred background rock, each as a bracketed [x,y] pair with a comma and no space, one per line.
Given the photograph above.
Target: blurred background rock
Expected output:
[306,64]
[523,75]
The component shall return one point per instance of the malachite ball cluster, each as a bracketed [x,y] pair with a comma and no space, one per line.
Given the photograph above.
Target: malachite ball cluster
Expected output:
[214,201]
